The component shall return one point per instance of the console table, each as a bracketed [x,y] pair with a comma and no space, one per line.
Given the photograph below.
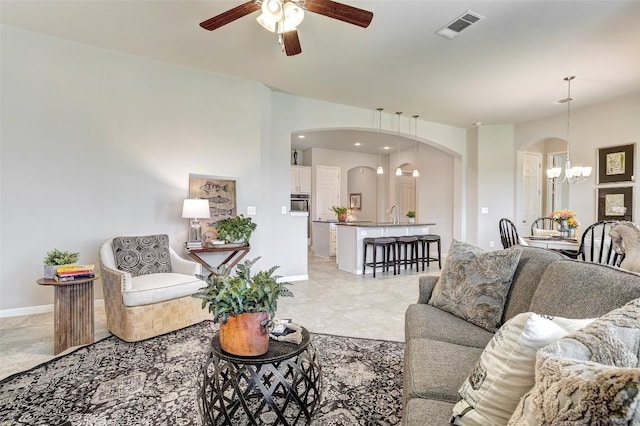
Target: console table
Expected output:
[283,386]
[236,253]
[73,312]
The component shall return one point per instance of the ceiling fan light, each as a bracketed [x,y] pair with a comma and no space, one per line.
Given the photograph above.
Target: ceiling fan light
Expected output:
[273,9]
[293,16]
[266,22]
[398,171]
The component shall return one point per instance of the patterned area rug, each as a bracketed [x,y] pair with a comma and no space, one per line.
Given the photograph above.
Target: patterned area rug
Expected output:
[155,382]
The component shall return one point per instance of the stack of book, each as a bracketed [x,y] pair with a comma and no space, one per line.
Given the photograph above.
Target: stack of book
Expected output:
[194,245]
[74,272]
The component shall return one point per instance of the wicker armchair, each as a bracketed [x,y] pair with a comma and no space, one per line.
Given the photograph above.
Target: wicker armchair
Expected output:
[147,305]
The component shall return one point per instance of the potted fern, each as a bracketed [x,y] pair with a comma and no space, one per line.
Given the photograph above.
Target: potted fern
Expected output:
[237,229]
[243,305]
[56,258]
[341,212]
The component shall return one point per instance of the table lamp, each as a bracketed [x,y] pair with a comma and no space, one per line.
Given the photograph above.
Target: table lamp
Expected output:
[195,209]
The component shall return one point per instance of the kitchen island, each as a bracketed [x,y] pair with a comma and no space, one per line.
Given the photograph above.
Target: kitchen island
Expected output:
[350,236]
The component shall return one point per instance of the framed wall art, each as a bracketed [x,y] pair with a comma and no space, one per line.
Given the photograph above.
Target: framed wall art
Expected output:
[615,164]
[221,194]
[615,203]
[355,201]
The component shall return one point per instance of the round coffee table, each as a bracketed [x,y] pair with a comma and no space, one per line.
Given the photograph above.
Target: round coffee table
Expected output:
[283,386]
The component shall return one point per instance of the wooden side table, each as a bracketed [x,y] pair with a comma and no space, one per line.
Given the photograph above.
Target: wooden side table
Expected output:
[73,312]
[235,256]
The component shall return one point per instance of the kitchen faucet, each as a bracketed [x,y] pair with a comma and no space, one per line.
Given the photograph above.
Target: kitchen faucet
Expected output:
[395,218]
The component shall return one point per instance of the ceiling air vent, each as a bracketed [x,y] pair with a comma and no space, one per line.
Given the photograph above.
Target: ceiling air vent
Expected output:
[462,22]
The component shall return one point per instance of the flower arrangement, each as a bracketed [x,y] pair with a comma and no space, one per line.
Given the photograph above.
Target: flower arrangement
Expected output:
[572,222]
[560,215]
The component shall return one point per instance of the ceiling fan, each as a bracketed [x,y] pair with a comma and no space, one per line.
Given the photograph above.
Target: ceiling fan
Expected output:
[283,17]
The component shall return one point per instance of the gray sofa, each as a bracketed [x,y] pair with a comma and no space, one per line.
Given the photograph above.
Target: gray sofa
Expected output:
[442,349]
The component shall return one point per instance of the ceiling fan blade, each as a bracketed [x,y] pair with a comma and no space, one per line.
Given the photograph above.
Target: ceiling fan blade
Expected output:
[342,12]
[230,15]
[291,43]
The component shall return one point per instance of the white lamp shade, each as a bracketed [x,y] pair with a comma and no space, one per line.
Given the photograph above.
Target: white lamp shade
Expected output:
[293,16]
[266,22]
[416,173]
[196,209]
[380,170]
[398,171]
[272,9]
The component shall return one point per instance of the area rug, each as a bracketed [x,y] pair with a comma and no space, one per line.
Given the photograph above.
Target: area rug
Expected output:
[155,382]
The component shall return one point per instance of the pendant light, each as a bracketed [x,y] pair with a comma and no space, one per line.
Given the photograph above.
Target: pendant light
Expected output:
[380,170]
[415,173]
[398,169]
[575,174]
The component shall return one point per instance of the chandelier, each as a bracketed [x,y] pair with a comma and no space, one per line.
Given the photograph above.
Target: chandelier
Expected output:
[572,174]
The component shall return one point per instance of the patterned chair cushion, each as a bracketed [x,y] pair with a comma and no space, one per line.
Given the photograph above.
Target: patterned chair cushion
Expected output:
[142,255]
[474,284]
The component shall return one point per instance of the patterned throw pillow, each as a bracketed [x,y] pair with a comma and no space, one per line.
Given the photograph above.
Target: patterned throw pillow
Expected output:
[505,371]
[590,377]
[141,255]
[474,284]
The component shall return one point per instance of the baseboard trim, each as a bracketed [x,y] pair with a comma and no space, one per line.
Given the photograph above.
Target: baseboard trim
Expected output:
[295,278]
[32,310]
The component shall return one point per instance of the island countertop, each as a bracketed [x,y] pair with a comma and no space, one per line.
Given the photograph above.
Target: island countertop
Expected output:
[351,235]
[382,224]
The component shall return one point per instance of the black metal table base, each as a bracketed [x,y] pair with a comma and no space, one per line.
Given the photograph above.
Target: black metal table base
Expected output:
[282,387]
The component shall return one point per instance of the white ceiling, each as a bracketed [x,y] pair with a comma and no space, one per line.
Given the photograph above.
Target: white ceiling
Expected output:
[507,68]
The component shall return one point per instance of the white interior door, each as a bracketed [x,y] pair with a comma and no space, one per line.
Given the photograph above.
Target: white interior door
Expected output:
[532,191]
[327,192]
[406,195]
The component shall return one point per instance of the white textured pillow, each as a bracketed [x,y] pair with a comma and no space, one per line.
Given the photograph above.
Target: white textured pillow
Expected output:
[590,377]
[505,371]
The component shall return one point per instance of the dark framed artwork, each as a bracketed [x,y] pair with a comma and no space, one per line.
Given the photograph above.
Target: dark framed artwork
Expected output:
[221,194]
[615,164]
[615,203]
[355,201]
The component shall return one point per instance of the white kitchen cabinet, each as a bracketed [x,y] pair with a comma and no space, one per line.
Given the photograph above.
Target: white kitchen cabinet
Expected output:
[300,180]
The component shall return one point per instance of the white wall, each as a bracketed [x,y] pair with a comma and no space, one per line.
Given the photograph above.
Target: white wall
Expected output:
[96,143]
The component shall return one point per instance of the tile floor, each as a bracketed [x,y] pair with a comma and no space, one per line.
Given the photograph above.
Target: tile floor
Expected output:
[331,301]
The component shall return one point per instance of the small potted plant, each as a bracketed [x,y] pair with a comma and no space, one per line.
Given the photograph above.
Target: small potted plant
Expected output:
[237,229]
[56,258]
[411,216]
[341,212]
[242,304]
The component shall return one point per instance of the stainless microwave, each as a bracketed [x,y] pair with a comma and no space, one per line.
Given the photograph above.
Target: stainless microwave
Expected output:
[299,202]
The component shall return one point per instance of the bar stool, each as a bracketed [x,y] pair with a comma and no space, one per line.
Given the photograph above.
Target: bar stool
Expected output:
[388,246]
[407,243]
[425,242]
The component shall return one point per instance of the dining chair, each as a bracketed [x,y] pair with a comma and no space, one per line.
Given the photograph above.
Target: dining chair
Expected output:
[595,245]
[545,223]
[508,233]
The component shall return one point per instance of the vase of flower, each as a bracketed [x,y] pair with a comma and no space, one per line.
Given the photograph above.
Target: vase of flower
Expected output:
[563,227]
[572,232]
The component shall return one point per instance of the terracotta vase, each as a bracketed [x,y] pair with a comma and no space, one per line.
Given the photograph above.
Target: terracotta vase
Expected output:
[342,217]
[244,335]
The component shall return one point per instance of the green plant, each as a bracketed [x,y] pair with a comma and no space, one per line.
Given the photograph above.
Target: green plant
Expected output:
[228,295]
[340,210]
[238,228]
[59,257]
[411,213]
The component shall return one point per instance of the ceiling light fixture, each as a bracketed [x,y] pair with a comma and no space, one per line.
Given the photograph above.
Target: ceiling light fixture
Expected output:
[280,16]
[415,173]
[398,169]
[380,170]
[575,174]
